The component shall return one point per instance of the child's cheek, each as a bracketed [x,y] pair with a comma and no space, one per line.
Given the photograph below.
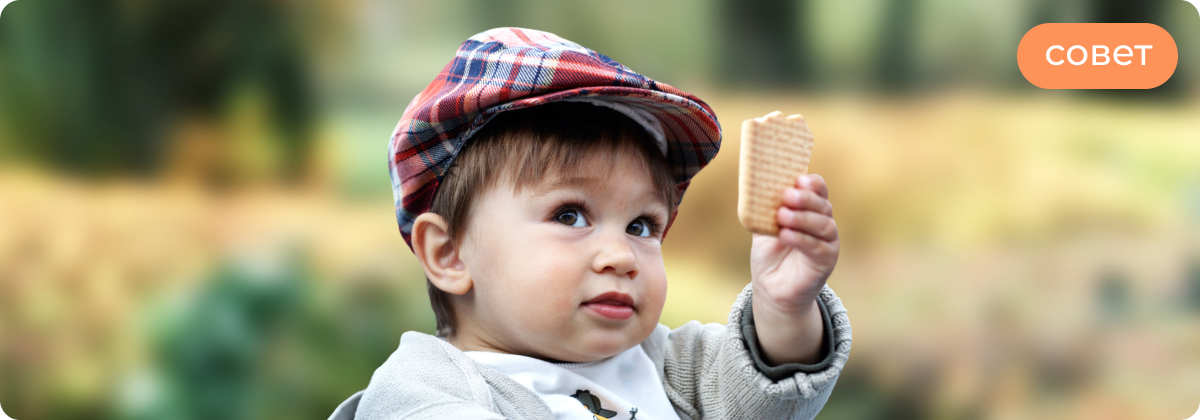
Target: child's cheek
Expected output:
[552,286]
[654,272]
[656,293]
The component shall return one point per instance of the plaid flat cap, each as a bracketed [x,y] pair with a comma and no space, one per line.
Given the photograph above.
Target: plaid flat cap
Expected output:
[505,69]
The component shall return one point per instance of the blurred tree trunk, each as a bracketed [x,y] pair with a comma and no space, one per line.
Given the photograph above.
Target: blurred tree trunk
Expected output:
[895,71]
[763,43]
[1125,11]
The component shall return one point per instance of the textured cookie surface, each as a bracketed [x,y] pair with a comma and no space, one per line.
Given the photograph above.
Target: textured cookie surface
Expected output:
[775,151]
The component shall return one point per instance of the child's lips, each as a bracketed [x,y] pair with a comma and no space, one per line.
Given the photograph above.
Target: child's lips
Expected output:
[610,309]
[614,305]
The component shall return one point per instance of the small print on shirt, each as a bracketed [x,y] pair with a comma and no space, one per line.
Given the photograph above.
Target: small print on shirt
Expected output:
[594,405]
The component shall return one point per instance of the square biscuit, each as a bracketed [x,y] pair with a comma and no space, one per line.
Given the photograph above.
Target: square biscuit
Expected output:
[775,151]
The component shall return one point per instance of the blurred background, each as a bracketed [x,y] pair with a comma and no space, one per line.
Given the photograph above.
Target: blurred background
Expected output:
[196,220]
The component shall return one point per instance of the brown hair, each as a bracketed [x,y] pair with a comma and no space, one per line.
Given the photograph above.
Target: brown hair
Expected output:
[525,146]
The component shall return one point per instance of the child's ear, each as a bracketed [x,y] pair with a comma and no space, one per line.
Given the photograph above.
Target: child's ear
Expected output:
[438,255]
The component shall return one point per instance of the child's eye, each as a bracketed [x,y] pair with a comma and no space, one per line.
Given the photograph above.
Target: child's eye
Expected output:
[638,228]
[571,217]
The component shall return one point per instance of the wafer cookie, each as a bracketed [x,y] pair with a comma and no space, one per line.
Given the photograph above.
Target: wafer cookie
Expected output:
[775,151]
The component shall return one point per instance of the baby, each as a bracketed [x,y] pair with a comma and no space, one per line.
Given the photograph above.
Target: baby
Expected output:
[535,181]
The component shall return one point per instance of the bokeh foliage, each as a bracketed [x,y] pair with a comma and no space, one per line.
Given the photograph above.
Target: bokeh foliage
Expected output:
[95,86]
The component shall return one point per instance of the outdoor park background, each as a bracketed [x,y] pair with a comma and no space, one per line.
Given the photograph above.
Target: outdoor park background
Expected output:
[196,220]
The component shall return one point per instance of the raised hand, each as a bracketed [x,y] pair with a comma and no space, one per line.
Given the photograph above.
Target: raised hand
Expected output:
[789,271]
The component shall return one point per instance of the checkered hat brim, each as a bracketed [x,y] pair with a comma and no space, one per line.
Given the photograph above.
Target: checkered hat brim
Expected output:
[511,68]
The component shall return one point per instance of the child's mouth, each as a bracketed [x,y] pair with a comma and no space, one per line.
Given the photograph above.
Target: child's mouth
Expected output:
[612,305]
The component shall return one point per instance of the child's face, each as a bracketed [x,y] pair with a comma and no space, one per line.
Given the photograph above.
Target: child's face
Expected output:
[568,270]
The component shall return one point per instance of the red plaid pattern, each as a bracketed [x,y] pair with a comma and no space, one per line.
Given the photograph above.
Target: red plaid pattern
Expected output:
[511,68]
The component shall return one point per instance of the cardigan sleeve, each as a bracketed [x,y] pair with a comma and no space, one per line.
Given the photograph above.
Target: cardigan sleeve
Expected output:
[716,371]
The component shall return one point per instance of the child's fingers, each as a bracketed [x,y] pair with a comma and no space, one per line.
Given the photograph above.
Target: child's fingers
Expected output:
[811,223]
[803,199]
[807,244]
[813,182]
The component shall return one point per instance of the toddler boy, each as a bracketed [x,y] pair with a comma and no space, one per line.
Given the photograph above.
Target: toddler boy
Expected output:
[535,180]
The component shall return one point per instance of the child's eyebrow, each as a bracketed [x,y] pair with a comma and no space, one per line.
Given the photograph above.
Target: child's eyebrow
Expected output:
[565,183]
[573,182]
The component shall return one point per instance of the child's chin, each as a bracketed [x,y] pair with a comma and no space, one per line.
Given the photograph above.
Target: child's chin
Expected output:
[609,344]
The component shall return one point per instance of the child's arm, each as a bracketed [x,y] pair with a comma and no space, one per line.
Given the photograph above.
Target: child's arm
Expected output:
[717,371]
[789,271]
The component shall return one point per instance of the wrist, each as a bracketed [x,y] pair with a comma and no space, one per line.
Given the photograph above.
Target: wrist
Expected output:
[786,303]
[790,335]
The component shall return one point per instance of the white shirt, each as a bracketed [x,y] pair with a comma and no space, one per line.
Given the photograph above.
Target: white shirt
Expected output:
[625,386]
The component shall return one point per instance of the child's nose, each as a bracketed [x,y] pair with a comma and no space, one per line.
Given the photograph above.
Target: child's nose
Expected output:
[616,256]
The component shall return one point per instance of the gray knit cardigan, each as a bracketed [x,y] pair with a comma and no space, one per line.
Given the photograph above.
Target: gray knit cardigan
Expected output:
[709,371]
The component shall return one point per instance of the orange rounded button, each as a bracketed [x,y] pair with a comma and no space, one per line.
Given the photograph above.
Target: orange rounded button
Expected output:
[1097,56]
